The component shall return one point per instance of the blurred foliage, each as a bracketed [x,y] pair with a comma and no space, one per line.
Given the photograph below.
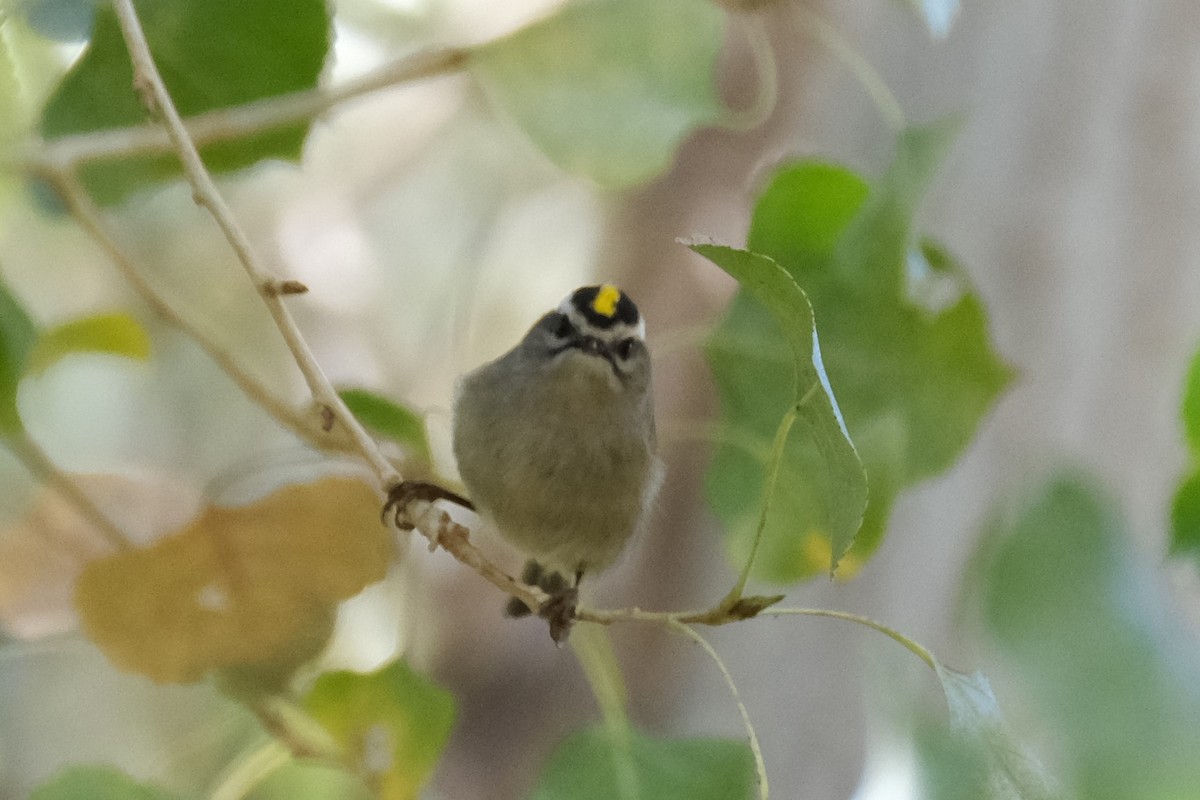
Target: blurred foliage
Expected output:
[1185,511]
[1091,637]
[95,783]
[17,338]
[254,585]
[279,47]
[310,780]
[981,758]
[392,724]
[115,333]
[390,420]
[608,88]
[810,484]
[587,767]
[25,350]
[904,342]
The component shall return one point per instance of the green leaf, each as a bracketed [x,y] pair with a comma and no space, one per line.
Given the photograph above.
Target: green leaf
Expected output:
[211,55]
[938,15]
[95,783]
[115,333]
[608,88]
[1087,628]
[1191,406]
[389,419]
[583,768]
[11,108]
[1005,769]
[308,780]
[393,724]
[903,337]
[17,337]
[816,504]
[1185,518]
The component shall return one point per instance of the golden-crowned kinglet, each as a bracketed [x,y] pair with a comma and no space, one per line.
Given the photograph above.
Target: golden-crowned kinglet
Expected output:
[555,439]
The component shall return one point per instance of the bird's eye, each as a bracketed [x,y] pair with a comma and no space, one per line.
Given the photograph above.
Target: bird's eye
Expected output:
[625,347]
[564,328]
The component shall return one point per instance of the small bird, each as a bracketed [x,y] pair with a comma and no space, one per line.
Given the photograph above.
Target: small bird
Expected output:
[555,441]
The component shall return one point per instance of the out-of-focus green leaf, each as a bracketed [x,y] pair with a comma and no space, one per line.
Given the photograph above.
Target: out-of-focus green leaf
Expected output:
[949,767]
[1185,510]
[390,419]
[1185,518]
[817,502]
[11,109]
[95,783]
[1002,768]
[211,55]
[903,337]
[393,724]
[116,333]
[1191,405]
[938,15]
[608,88]
[1089,632]
[306,780]
[584,768]
[17,337]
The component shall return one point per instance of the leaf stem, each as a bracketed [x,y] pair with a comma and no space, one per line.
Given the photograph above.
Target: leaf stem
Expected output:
[303,736]
[42,467]
[593,648]
[242,120]
[781,436]
[759,765]
[251,771]
[148,80]
[91,219]
[920,651]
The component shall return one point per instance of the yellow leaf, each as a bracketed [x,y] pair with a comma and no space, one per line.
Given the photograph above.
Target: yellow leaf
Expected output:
[255,584]
[43,552]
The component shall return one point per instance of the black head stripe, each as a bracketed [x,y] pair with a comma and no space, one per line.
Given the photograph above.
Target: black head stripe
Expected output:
[614,306]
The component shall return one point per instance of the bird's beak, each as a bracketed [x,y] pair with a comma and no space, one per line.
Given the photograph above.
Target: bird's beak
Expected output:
[593,346]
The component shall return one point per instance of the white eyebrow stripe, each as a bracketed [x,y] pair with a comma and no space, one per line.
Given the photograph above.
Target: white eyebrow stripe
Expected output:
[619,331]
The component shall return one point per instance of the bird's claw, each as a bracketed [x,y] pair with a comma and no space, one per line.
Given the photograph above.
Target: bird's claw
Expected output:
[402,495]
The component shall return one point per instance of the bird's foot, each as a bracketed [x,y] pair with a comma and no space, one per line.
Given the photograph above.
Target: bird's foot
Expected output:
[558,610]
[403,495]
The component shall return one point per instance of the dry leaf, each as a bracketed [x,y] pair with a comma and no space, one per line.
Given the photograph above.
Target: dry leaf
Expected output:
[42,554]
[237,586]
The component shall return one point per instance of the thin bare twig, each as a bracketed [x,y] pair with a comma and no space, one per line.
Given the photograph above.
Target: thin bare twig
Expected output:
[444,532]
[91,219]
[438,528]
[42,467]
[759,765]
[148,81]
[919,650]
[242,120]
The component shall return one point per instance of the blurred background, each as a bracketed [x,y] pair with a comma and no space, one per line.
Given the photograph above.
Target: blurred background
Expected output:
[431,235]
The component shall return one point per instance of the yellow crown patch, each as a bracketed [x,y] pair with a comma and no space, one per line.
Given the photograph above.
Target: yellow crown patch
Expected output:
[606,300]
